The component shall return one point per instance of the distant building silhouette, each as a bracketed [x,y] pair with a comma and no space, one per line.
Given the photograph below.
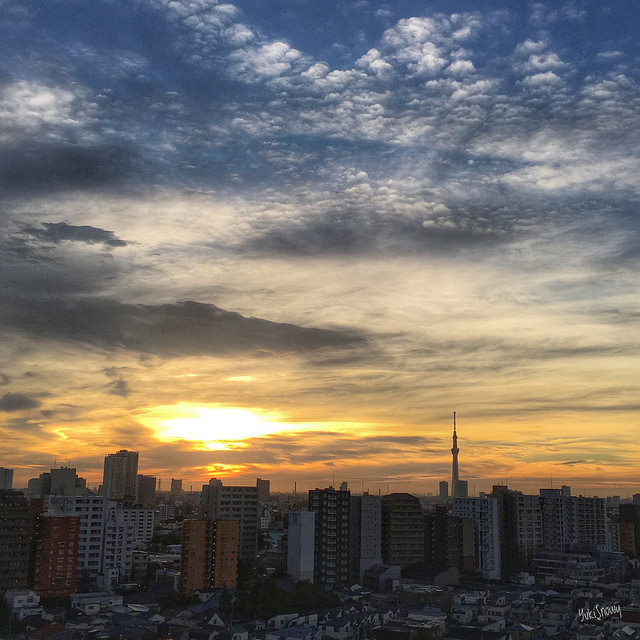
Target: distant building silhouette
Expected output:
[119,478]
[15,535]
[6,479]
[146,490]
[63,481]
[402,529]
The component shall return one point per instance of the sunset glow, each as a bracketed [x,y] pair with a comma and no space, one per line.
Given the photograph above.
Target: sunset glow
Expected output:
[210,427]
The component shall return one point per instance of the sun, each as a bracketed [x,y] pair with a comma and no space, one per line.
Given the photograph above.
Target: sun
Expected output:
[210,426]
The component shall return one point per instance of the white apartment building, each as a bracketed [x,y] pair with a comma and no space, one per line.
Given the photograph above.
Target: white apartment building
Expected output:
[484,512]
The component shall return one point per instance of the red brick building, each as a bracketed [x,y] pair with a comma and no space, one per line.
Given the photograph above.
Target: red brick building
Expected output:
[209,554]
[54,555]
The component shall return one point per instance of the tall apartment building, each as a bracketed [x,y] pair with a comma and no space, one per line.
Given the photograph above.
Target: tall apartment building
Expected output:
[226,544]
[119,478]
[484,513]
[91,511]
[449,541]
[109,531]
[264,487]
[521,532]
[623,538]
[234,503]
[15,536]
[558,520]
[54,555]
[142,520]
[365,532]
[146,490]
[301,545]
[331,553]
[630,515]
[126,528]
[6,479]
[402,529]
[209,554]
[572,520]
[591,516]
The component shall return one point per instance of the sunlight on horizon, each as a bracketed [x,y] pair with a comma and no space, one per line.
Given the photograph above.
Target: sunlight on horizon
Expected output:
[215,427]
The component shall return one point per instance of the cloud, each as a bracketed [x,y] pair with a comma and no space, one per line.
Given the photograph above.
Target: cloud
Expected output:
[542,79]
[119,387]
[169,330]
[57,232]
[35,166]
[33,107]
[530,46]
[17,402]
[266,61]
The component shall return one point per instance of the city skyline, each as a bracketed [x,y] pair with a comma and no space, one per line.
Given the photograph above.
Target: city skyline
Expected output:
[286,241]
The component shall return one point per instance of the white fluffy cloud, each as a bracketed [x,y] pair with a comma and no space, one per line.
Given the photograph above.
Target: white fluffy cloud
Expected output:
[29,107]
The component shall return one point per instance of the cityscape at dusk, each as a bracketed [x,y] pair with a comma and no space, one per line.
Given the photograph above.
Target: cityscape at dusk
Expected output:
[288,239]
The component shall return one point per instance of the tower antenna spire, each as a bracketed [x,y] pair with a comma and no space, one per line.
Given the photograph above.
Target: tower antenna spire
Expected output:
[454,461]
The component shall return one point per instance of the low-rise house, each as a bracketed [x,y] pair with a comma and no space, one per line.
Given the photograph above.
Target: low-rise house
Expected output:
[407,629]
[301,632]
[23,602]
[91,603]
[281,621]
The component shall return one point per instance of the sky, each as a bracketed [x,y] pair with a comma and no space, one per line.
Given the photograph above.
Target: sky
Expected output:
[287,239]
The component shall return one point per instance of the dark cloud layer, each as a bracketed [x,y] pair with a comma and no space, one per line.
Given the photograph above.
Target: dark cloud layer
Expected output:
[17,402]
[171,330]
[37,167]
[56,232]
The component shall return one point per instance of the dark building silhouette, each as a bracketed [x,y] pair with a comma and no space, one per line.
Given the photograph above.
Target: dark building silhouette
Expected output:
[119,477]
[146,490]
[449,542]
[402,529]
[15,537]
[331,552]
[630,514]
[263,489]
